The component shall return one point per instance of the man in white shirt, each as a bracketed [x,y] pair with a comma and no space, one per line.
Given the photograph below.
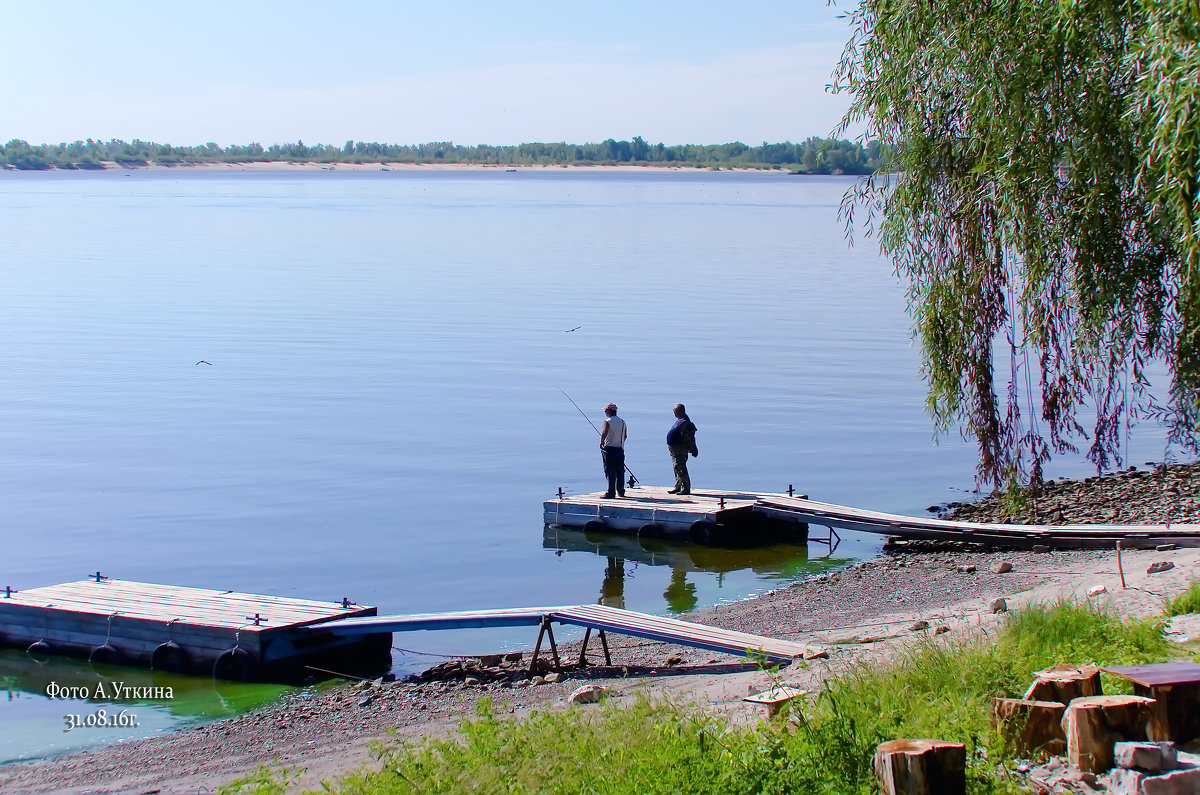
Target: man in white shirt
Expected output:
[612,448]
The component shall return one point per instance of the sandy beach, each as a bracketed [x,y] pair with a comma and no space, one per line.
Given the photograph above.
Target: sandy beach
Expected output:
[864,613]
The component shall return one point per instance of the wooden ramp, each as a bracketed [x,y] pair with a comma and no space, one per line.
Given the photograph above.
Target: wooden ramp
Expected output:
[1067,536]
[188,630]
[685,633]
[592,617]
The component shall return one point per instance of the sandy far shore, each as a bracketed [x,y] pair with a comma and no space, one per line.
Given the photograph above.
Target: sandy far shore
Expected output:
[309,167]
[861,615]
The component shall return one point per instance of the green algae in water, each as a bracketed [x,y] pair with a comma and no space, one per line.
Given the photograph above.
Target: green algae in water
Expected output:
[121,703]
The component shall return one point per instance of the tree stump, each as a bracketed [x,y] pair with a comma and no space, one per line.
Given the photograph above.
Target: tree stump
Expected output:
[1064,683]
[1095,723]
[1030,726]
[921,767]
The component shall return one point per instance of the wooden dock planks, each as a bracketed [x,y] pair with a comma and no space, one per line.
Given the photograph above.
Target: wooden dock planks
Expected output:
[687,633]
[164,603]
[135,621]
[1095,536]
[599,617]
[462,619]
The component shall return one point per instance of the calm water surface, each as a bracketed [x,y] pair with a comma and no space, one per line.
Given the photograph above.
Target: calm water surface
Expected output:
[381,418]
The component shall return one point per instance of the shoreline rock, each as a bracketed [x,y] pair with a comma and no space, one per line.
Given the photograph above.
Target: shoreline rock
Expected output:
[1160,495]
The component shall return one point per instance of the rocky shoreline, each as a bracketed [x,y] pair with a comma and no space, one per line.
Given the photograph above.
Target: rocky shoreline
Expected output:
[1161,494]
[862,613]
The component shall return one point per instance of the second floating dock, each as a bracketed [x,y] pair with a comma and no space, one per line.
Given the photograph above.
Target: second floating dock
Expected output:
[706,516]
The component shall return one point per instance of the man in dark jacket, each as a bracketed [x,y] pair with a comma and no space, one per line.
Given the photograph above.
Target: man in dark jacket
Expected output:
[681,441]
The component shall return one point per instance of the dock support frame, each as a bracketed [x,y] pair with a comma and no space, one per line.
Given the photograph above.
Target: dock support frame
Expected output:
[832,540]
[603,642]
[545,630]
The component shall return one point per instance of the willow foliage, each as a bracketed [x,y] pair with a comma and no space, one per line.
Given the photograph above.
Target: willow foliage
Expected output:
[1042,209]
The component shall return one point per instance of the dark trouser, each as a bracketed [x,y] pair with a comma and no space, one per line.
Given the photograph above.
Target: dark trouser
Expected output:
[614,469]
[679,455]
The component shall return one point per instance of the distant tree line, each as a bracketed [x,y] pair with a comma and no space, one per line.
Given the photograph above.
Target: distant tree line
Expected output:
[813,156]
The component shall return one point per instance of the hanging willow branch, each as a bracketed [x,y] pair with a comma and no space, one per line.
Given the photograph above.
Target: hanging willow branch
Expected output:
[1026,219]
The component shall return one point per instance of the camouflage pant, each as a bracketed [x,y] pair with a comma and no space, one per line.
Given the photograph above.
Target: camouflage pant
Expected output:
[679,456]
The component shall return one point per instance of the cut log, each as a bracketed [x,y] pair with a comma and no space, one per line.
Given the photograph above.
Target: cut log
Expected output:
[1030,726]
[1064,683]
[1095,723]
[921,767]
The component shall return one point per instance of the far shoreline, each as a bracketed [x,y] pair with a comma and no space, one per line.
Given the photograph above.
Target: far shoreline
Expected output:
[282,166]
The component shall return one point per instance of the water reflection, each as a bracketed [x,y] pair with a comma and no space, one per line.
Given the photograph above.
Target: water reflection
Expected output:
[680,594]
[612,588]
[787,562]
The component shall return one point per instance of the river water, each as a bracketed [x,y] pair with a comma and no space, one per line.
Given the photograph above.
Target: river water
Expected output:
[350,384]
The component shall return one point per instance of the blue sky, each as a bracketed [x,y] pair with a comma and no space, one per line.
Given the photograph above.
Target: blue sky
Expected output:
[469,72]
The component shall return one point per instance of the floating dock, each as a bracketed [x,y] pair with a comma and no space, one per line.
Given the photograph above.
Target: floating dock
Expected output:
[706,516]
[226,634]
[746,518]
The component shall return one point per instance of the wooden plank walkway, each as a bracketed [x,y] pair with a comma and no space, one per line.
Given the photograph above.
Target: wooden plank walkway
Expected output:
[463,619]
[685,633]
[171,627]
[1074,536]
[597,617]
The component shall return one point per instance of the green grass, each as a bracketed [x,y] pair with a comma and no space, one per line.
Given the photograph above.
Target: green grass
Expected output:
[944,691]
[933,689]
[263,781]
[1186,602]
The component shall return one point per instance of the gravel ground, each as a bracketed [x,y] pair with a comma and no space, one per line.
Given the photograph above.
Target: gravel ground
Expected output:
[862,613]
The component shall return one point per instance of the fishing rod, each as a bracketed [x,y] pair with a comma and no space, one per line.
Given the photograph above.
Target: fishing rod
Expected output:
[633,479]
[576,405]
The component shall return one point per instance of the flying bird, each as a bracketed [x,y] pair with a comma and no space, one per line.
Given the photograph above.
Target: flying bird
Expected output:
[204,362]
[568,331]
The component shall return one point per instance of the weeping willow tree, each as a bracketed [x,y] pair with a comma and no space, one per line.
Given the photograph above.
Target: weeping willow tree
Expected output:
[1042,209]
